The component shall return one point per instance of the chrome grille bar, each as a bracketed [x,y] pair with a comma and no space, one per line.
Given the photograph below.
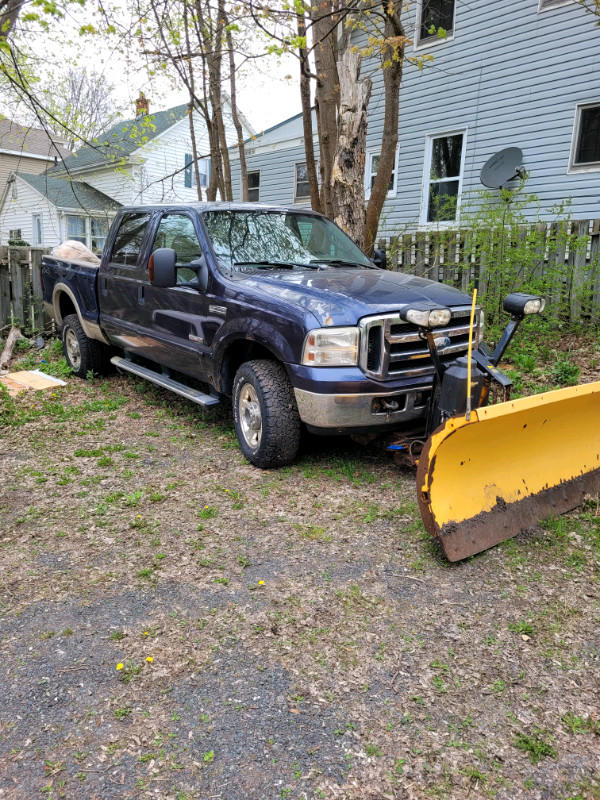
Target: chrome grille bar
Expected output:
[396,363]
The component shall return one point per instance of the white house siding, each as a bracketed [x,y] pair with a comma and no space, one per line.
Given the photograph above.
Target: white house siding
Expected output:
[21,204]
[121,184]
[20,163]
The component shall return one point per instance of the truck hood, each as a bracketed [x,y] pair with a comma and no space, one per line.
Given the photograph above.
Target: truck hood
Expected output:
[342,296]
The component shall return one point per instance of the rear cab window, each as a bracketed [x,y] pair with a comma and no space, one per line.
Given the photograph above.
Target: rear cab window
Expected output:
[128,241]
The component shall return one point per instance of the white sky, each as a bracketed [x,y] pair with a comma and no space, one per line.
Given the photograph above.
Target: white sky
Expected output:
[268,88]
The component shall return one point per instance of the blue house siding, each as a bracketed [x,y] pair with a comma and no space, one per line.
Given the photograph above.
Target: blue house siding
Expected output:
[511,76]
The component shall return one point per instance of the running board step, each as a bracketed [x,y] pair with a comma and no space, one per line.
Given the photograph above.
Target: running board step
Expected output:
[201,398]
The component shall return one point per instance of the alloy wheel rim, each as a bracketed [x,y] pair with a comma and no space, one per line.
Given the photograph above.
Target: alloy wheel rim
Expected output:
[250,416]
[73,350]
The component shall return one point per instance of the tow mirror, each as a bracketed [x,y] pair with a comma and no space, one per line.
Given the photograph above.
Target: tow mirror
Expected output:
[380,259]
[161,267]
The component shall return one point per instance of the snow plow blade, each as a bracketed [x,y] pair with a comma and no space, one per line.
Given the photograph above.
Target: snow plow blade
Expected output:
[512,465]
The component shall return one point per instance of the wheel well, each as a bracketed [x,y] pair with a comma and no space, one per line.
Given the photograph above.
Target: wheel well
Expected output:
[65,306]
[235,355]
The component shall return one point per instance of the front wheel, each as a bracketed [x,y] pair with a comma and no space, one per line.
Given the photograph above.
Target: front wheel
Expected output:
[83,354]
[266,417]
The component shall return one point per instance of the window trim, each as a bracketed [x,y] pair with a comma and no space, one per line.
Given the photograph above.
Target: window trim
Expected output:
[552,5]
[303,198]
[254,172]
[419,44]
[207,173]
[423,222]
[34,218]
[11,231]
[590,166]
[391,193]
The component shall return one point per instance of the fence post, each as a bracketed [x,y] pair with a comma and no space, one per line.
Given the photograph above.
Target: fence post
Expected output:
[4,288]
[36,254]
[579,257]
[18,287]
[595,268]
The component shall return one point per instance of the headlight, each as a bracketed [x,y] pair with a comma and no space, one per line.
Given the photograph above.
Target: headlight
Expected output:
[520,305]
[428,317]
[331,347]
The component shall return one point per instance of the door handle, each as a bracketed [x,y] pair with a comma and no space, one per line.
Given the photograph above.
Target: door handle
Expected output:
[141,299]
[104,285]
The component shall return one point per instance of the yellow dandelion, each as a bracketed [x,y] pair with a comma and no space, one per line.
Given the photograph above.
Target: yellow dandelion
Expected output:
[261,583]
[205,506]
[119,666]
[139,516]
[149,659]
[146,633]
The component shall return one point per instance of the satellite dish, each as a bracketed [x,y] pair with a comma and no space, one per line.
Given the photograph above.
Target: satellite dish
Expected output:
[502,167]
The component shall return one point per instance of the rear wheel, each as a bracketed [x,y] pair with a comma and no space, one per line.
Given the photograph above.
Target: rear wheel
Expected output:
[266,417]
[83,354]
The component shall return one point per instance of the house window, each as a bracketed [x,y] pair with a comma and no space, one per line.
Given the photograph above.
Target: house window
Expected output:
[36,224]
[443,177]
[99,231]
[302,187]
[254,186]
[373,167]
[76,228]
[190,172]
[436,20]
[586,140]
[546,4]
[15,234]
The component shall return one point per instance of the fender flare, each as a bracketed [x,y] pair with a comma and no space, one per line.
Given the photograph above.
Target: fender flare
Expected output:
[91,329]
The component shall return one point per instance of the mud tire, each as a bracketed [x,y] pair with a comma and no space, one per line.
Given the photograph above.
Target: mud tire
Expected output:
[83,354]
[263,394]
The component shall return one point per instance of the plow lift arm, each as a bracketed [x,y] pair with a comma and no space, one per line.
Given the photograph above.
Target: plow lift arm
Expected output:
[484,477]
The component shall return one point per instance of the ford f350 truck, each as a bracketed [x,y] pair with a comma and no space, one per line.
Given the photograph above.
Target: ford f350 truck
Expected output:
[274,307]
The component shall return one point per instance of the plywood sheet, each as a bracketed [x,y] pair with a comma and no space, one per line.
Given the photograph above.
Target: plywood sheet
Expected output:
[35,380]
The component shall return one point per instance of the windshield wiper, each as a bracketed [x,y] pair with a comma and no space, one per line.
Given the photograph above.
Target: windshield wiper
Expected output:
[340,262]
[275,264]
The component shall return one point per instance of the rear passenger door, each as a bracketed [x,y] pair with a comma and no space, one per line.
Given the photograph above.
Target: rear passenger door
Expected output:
[119,281]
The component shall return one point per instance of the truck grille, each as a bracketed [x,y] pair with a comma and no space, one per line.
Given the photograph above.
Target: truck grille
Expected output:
[392,348]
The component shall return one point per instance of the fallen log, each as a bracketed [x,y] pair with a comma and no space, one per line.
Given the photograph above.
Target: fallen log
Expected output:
[6,356]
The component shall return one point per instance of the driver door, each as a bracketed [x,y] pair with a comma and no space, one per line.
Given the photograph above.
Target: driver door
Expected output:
[173,319]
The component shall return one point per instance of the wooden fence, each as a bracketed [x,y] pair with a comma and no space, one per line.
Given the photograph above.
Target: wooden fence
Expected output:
[21,288]
[563,261]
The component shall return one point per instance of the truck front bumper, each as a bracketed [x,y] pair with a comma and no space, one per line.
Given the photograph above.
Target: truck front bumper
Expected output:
[340,411]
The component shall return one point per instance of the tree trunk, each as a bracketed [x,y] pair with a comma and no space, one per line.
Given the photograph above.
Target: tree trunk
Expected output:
[327,96]
[348,174]
[393,60]
[9,13]
[6,356]
[236,120]
[309,148]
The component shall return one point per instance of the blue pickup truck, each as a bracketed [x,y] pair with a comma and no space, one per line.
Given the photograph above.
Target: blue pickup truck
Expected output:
[274,307]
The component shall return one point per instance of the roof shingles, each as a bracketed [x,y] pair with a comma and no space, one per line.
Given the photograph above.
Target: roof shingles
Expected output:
[70,194]
[122,139]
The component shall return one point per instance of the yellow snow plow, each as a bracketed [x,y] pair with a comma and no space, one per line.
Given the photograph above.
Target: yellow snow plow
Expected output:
[482,481]
[487,472]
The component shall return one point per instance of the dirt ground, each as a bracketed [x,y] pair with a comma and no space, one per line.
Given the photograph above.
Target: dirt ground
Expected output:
[175,623]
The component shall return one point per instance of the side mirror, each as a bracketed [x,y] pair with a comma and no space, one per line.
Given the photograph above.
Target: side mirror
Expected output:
[380,259]
[161,267]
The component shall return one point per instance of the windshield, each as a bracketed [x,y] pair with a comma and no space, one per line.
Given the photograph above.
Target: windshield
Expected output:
[249,240]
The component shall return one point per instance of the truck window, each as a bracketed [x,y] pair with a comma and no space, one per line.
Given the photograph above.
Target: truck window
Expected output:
[177,232]
[128,242]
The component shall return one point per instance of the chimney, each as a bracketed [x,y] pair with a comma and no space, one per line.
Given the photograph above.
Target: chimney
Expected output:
[141,105]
